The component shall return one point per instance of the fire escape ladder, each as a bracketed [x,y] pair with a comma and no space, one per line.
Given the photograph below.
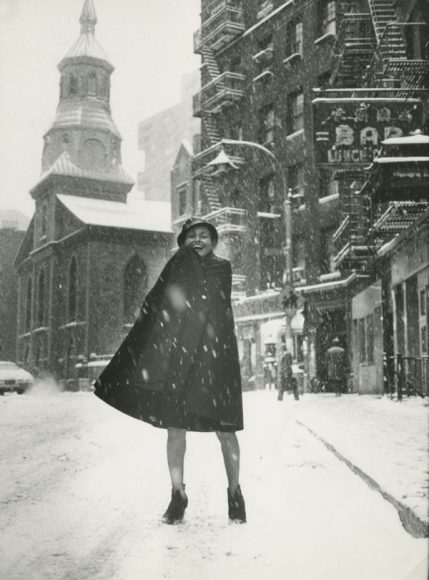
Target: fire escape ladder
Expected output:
[353,48]
[210,73]
[390,43]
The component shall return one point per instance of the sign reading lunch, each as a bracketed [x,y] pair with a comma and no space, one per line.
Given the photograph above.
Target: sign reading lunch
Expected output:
[349,131]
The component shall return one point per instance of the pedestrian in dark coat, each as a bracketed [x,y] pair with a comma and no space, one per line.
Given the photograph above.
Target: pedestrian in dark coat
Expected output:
[336,357]
[178,367]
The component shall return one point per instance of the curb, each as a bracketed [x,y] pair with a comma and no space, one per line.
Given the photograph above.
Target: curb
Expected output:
[411,523]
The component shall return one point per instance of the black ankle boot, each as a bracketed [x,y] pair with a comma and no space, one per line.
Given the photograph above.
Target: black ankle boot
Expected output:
[236,506]
[177,506]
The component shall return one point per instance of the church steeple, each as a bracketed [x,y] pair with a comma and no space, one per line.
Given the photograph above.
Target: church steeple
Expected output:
[83,139]
[88,18]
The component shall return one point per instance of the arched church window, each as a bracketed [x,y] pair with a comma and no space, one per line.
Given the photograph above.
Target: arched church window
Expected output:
[41,298]
[135,288]
[28,305]
[74,85]
[92,84]
[72,294]
[104,81]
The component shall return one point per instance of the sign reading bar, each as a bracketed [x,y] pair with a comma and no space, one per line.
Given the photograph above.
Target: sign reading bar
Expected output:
[349,131]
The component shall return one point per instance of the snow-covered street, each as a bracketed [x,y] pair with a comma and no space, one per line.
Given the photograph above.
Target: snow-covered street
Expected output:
[83,488]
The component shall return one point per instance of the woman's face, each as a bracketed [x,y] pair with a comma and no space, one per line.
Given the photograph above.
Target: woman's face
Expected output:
[200,240]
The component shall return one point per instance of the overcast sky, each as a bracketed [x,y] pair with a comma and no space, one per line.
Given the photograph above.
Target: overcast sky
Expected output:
[149,42]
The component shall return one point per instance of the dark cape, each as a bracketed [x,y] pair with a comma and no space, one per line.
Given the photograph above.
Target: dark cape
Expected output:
[178,366]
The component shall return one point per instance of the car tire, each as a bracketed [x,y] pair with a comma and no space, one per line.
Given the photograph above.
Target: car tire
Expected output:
[20,391]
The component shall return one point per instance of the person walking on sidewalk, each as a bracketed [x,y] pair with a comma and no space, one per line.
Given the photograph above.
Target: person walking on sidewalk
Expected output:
[287,380]
[336,357]
[178,368]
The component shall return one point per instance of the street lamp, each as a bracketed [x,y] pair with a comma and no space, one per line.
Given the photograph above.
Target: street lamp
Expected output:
[222,164]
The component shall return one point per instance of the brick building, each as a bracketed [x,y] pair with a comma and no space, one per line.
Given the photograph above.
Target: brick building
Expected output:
[293,76]
[12,231]
[89,255]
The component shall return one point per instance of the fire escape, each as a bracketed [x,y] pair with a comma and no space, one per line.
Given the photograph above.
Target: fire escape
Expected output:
[353,49]
[222,22]
[371,52]
[392,66]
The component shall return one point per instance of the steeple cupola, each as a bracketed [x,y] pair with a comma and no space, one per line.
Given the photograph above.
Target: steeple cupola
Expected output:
[83,136]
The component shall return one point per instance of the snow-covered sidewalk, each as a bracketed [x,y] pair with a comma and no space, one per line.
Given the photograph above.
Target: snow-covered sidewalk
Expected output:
[385,439]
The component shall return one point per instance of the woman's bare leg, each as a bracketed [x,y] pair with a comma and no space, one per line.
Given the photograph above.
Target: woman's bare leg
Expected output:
[231,457]
[176,447]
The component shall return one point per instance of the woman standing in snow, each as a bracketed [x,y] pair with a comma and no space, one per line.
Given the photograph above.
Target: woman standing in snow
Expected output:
[178,367]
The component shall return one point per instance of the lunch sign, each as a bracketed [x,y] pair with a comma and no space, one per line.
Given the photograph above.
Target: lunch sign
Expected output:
[349,131]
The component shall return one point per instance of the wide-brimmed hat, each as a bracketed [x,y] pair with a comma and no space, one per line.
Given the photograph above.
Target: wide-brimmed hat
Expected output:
[193,222]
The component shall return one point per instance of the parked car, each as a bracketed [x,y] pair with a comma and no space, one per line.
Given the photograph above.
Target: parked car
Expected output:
[14,378]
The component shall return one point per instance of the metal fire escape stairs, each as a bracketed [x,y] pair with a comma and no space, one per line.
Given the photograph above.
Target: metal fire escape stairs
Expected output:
[390,67]
[209,72]
[353,49]
[351,243]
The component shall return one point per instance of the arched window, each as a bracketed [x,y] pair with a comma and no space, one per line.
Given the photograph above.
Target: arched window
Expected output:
[74,85]
[92,84]
[28,305]
[41,299]
[135,288]
[72,305]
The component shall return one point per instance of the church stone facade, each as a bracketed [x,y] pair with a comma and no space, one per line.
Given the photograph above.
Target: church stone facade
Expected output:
[90,253]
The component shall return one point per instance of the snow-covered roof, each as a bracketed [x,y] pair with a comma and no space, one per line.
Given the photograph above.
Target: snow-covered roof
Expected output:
[151,216]
[84,113]
[402,159]
[417,139]
[64,166]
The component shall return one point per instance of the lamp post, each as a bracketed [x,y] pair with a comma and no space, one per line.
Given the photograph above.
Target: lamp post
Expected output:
[224,163]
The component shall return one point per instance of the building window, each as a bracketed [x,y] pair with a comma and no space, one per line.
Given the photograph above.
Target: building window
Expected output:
[264,56]
[135,288]
[182,195]
[41,299]
[266,125]
[236,131]
[73,86]
[267,195]
[28,305]
[294,38]
[92,84]
[295,112]
[424,339]
[327,17]
[422,301]
[72,293]
[327,251]
[295,179]
[329,184]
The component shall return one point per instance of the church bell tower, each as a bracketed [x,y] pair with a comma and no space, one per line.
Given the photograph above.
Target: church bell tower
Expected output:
[83,141]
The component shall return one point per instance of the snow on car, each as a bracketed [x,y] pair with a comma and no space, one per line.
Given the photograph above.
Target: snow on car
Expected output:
[14,378]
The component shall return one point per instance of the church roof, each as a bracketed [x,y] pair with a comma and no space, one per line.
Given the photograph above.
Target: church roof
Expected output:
[87,46]
[150,216]
[63,166]
[84,113]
